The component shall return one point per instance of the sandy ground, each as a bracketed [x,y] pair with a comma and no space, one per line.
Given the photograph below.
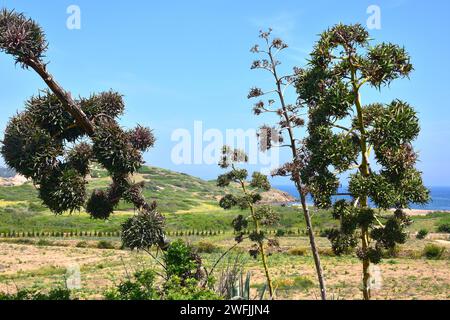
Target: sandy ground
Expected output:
[22,266]
[20,258]
[418,212]
[405,280]
[414,212]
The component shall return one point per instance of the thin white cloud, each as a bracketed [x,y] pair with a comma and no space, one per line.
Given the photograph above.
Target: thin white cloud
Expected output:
[392,4]
[131,84]
[282,23]
[285,25]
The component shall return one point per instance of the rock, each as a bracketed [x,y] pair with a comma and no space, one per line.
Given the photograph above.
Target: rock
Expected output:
[275,196]
[18,180]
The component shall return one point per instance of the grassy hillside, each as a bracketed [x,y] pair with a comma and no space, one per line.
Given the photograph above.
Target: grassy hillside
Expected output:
[187,202]
[191,204]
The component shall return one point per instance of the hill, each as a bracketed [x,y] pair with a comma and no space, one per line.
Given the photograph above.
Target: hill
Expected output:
[186,201]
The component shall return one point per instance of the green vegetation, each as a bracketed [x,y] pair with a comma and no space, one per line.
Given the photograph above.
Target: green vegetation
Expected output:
[258,217]
[346,136]
[33,294]
[444,227]
[292,283]
[206,247]
[87,167]
[298,251]
[432,251]
[26,192]
[21,210]
[104,244]
[180,277]
[422,234]
[286,129]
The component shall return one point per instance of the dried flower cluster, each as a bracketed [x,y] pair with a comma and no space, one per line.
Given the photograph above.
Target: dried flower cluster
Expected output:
[285,132]
[342,63]
[56,139]
[260,216]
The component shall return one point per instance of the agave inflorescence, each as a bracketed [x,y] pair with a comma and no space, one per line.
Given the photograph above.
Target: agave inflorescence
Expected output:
[56,138]
[343,133]
[260,217]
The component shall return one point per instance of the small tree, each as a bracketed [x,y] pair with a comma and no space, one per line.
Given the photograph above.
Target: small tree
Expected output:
[179,278]
[344,134]
[286,133]
[260,217]
[55,139]
[422,234]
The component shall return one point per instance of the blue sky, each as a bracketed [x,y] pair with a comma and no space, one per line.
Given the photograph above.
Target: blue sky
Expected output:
[181,61]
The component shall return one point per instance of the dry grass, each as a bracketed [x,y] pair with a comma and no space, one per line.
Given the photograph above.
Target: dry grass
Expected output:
[25,265]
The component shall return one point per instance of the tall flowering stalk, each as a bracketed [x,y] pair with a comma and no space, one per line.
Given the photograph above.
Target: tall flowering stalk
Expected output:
[36,140]
[260,216]
[345,134]
[285,133]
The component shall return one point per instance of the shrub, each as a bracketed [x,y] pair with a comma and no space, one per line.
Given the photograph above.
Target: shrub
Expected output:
[36,207]
[422,234]
[44,243]
[82,244]
[298,283]
[181,261]
[280,233]
[444,228]
[181,279]
[54,294]
[206,247]
[297,251]
[325,233]
[23,241]
[103,244]
[178,289]
[412,254]
[140,287]
[328,252]
[433,252]
[393,252]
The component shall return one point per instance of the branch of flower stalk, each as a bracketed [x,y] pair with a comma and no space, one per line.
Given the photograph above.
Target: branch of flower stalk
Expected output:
[268,110]
[342,127]
[264,68]
[220,259]
[282,146]
[355,204]
[155,258]
[379,222]
[286,86]
[69,104]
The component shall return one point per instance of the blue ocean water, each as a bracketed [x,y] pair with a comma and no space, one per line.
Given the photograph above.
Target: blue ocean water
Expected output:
[440,197]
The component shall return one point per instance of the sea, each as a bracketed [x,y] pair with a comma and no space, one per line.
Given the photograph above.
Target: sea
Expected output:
[440,197]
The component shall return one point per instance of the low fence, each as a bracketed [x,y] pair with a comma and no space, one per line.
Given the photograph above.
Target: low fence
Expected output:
[170,233]
[70,234]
